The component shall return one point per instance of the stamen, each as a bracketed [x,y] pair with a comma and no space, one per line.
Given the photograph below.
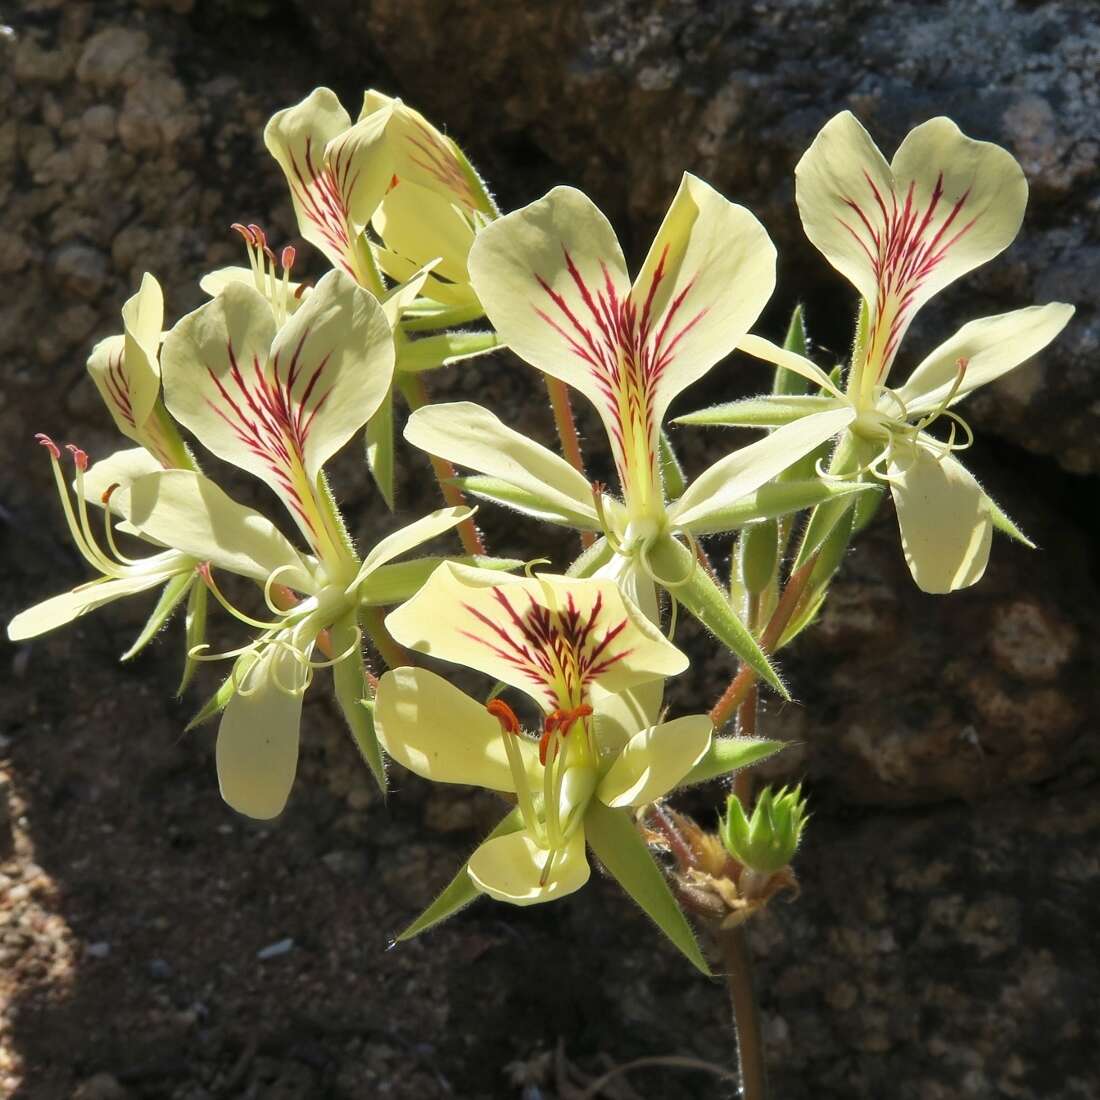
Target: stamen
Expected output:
[203,569]
[510,729]
[108,527]
[504,714]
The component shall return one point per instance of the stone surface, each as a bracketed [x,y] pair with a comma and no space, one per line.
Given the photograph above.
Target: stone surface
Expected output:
[942,944]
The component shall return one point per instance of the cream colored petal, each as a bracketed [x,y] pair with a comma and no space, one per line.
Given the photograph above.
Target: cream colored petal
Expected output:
[946,526]
[509,868]
[187,511]
[515,628]
[422,225]
[472,436]
[67,606]
[836,184]
[257,748]
[442,734]
[654,761]
[990,347]
[553,281]
[709,273]
[620,715]
[744,471]
[120,469]
[409,538]
[789,360]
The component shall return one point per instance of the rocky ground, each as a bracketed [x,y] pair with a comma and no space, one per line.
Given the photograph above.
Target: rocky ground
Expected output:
[153,945]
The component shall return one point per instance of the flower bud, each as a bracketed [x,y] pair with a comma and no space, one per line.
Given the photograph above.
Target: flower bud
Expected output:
[759,551]
[766,842]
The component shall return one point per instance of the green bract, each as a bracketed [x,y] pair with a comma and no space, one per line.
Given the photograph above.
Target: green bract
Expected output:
[765,842]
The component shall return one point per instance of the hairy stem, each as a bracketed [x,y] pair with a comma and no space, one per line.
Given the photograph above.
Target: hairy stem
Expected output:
[567,434]
[737,967]
[416,394]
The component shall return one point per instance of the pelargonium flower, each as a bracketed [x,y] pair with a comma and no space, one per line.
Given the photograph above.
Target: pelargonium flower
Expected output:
[578,650]
[554,283]
[900,232]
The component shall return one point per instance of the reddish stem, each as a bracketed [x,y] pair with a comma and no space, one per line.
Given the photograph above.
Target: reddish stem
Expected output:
[567,434]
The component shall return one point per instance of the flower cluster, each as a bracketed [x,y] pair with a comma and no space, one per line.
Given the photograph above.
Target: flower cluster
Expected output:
[275,375]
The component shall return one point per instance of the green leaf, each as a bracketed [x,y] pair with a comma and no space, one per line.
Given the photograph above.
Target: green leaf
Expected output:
[759,412]
[618,845]
[1005,525]
[672,474]
[399,581]
[728,754]
[194,632]
[831,554]
[460,891]
[522,500]
[170,598]
[758,549]
[595,557]
[709,604]
[379,441]
[349,679]
[214,705]
[867,506]
[444,349]
[846,459]
[786,382]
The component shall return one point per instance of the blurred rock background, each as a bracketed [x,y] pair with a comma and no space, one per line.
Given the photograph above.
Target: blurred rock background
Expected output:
[944,944]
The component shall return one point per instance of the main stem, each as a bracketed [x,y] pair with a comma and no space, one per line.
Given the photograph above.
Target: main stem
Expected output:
[737,966]
[567,434]
[416,394]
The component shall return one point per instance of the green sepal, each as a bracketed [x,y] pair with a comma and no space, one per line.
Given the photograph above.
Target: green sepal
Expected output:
[618,845]
[426,315]
[766,842]
[758,551]
[867,506]
[215,704]
[400,581]
[444,349]
[759,412]
[379,447]
[171,597]
[588,561]
[710,605]
[521,500]
[672,473]
[787,383]
[831,554]
[349,681]
[1003,523]
[460,891]
[194,632]
[730,754]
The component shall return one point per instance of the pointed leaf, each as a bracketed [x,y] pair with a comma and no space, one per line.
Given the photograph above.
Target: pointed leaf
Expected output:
[708,603]
[786,383]
[759,412]
[1005,524]
[617,844]
[400,581]
[460,891]
[349,681]
[672,473]
[729,754]
[379,440]
[170,598]
[194,633]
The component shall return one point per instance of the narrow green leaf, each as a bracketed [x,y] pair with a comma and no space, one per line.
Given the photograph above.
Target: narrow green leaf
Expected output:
[867,506]
[399,581]
[214,705]
[780,498]
[709,604]
[460,891]
[759,412]
[1003,523]
[522,500]
[845,460]
[349,680]
[595,557]
[379,441]
[786,381]
[170,598]
[444,349]
[832,551]
[728,754]
[618,845]
[425,315]
[672,474]
[194,632]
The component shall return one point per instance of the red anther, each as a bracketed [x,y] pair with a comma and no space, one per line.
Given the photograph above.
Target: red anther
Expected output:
[559,721]
[544,745]
[49,444]
[287,258]
[244,232]
[80,458]
[259,238]
[109,492]
[598,488]
[301,289]
[504,714]
[961,364]
[394,181]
